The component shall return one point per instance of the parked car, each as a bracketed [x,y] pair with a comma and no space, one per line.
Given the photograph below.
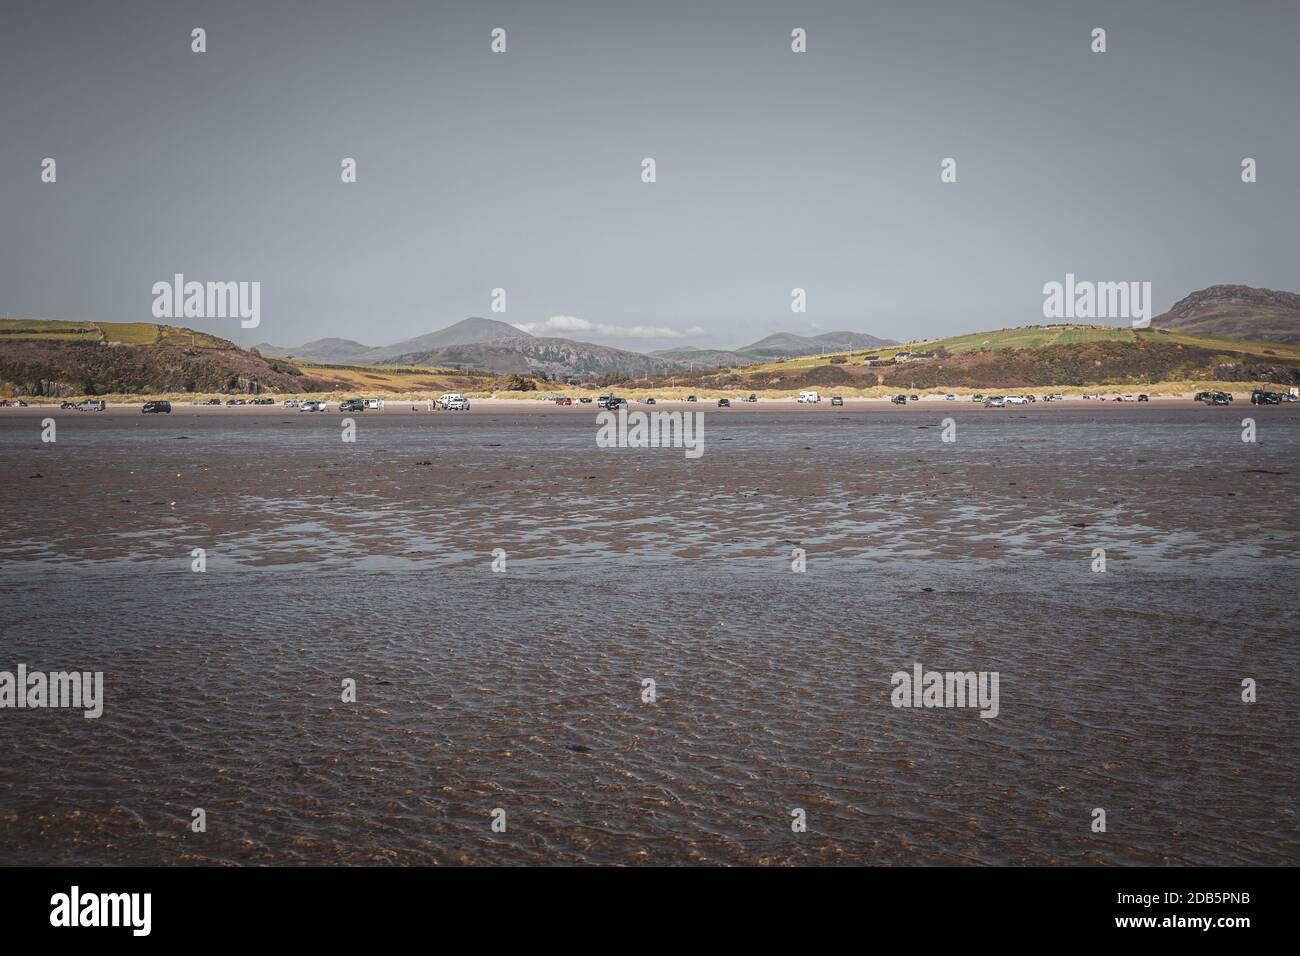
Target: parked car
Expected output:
[92,405]
[950,398]
[19,403]
[454,402]
[290,403]
[649,401]
[604,399]
[209,401]
[724,403]
[565,401]
[752,398]
[1263,397]
[312,407]
[377,403]
[914,398]
[1143,397]
[690,398]
[836,400]
[159,406]
[1016,400]
[237,401]
[585,401]
[807,396]
[977,398]
[1218,398]
[352,405]
[66,405]
[995,401]
[899,400]
[262,401]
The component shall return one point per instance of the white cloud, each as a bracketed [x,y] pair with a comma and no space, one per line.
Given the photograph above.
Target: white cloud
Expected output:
[559,324]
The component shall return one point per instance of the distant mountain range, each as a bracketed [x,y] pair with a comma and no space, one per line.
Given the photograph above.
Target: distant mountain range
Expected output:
[1236,312]
[494,346]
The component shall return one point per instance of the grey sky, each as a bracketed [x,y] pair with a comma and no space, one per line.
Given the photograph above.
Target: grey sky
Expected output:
[522,170]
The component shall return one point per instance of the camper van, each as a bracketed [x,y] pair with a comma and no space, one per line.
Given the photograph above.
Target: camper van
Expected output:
[454,402]
[809,397]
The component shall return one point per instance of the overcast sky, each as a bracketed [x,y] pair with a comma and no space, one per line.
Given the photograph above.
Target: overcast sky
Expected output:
[522,170]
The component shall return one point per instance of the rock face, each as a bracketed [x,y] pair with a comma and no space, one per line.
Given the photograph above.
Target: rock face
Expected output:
[58,369]
[1237,312]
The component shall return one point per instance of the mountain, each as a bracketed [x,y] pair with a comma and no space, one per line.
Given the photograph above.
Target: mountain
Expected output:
[328,351]
[693,358]
[53,358]
[788,345]
[531,355]
[333,351]
[471,331]
[1236,312]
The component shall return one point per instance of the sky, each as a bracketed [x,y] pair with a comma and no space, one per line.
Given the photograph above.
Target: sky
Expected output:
[522,170]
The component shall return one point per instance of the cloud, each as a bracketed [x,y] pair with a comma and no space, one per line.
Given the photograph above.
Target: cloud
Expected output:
[568,323]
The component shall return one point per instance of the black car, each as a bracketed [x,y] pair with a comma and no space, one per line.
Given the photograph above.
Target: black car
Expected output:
[899,399]
[1143,397]
[1260,397]
[237,401]
[352,405]
[724,403]
[68,405]
[690,398]
[1218,398]
[156,407]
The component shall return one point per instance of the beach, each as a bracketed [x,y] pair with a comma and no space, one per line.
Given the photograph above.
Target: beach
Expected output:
[522,688]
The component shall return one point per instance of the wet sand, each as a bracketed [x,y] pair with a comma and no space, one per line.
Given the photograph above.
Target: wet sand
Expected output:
[521,689]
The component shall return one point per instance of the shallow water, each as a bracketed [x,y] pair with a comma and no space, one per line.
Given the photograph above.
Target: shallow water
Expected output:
[522,690]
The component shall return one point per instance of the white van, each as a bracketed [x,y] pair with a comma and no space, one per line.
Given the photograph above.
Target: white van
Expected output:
[454,402]
[809,397]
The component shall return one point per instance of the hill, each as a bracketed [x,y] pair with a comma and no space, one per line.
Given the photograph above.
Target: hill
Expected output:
[54,358]
[1236,311]
[788,345]
[558,358]
[471,331]
[1031,356]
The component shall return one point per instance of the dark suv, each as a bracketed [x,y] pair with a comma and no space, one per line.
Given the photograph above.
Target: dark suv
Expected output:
[1261,397]
[157,407]
[352,405]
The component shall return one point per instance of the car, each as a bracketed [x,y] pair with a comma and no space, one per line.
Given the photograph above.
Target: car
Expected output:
[1144,397]
[310,406]
[4,403]
[724,403]
[352,405]
[977,398]
[752,398]
[290,403]
[649,401]
[1016,400]
[237,401]
[565,401]
[262,401]
[585,401]
[454,402]
[209,401]
[899,400]
[66,405]
[950,398]
[92,405]
[995,401]
[914,398]
[152,407]
[617,403]
[1218,398]
[19,403]
[809,397]
[690,398]
[376,403]
[604,399]
[836,400]
[1031,400]
[1263,397]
